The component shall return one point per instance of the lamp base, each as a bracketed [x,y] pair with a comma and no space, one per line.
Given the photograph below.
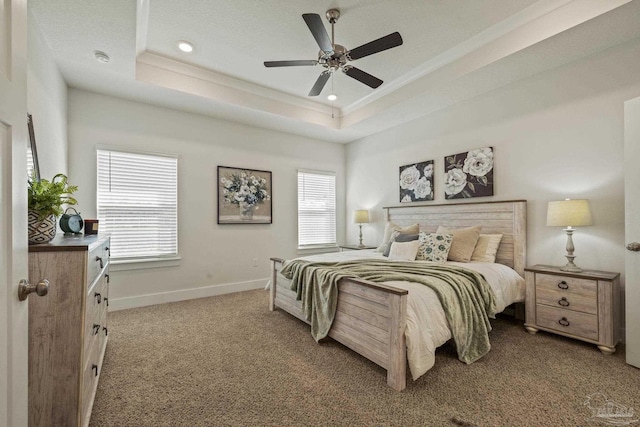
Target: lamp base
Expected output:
[570,256]
[570,266]
[573,268]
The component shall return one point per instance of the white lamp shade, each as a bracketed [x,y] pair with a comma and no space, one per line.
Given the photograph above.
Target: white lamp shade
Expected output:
[569,213]
[361,216]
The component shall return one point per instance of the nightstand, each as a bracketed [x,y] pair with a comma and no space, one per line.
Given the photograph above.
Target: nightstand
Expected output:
[582,305]
[355,247]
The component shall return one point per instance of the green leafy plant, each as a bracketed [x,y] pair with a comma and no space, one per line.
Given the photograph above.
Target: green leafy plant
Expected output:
[47,197]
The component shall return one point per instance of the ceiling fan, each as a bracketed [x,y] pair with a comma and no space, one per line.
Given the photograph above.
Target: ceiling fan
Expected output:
[335,57]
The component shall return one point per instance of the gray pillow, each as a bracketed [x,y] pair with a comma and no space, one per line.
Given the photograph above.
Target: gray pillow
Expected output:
[400,238]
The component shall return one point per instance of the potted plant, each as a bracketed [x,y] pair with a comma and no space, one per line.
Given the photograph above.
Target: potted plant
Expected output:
[45,200]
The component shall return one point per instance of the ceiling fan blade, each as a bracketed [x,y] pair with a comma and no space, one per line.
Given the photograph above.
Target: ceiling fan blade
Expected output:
[296,63]
[314,22]
[319,85]
[362,77]
[383,43]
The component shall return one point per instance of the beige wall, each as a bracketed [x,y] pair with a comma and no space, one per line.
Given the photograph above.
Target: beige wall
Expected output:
[555,135]
[47,103]
[215,258]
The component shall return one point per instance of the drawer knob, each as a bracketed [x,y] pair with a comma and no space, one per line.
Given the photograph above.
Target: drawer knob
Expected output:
[99,259]
[98,297]
[94,367]
[564,321]
[563,285]
[563,302]
[96,329]
[106,331]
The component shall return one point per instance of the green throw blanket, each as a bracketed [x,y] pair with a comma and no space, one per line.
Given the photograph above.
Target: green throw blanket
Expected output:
[465,295]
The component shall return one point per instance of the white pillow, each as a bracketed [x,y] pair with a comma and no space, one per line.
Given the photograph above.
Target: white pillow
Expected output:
[487,248]
[390,228]
[404,251]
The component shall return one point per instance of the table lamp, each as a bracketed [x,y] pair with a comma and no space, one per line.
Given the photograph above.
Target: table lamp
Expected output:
[569,213]
[361,217]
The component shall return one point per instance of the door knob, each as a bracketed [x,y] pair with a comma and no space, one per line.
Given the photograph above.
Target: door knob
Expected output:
[635,246]
[25,288]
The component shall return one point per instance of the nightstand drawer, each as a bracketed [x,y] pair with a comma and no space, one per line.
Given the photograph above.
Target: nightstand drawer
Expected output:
[569,322]
[582,287]
[570,300]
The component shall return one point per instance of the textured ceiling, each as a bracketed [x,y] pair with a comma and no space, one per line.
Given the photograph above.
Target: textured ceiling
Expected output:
[452,51]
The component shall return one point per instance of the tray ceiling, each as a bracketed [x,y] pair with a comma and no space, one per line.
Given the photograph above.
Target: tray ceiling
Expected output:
[452,51]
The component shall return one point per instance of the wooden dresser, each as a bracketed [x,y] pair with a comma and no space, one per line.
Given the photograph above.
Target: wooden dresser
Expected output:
[67,328]
[581,305]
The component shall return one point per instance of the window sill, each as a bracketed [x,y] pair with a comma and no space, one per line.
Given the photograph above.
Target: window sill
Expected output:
[317,249]
[143,263]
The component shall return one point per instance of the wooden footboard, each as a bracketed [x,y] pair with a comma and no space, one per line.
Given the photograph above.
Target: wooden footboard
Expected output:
[370,319]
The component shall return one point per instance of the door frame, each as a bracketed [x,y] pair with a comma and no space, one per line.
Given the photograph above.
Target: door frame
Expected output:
[13,213]
[632,229]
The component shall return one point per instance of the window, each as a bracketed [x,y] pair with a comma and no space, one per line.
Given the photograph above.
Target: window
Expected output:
[316,208]
[138,203]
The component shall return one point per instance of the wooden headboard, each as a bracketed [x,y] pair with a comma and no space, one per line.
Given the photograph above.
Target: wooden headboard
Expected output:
[508,218]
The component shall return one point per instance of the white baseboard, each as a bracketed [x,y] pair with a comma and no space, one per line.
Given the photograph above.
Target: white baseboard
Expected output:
[116,304]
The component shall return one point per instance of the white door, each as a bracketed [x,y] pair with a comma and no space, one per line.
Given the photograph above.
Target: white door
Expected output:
[632,228]
[13,212]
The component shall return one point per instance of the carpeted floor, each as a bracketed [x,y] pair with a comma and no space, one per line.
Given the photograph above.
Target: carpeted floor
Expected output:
[228,361]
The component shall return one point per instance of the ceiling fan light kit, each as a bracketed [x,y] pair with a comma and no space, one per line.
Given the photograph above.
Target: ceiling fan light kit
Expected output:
[334,57]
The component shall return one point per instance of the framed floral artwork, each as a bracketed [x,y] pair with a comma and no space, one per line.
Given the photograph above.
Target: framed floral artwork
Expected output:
[469,174]
[416,182]
[244,196]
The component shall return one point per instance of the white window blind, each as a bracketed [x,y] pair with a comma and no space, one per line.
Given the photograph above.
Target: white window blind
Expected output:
[138,203]
[30,164]
[316,208]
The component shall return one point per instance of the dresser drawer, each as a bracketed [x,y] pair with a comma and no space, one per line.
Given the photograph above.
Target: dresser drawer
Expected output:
[97,258]
[97,295]
[567,321]
[89,382]
[94,330]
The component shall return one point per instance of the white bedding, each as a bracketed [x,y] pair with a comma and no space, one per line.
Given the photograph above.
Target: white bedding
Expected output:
[427,327]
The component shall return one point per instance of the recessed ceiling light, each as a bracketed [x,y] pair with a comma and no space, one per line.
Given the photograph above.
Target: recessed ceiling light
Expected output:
[101,56]
[332,97]
[185,46]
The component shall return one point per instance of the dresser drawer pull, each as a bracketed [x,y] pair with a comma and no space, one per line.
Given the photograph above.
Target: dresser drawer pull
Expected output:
[107,301]
[100,261]
[564,321]
[96,329]
[563,285]
[106,331]
[94,367]
[98,297]
[563,302]
[107,276]
[108,250]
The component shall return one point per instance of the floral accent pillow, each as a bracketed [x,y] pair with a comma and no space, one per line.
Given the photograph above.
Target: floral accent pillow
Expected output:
[434,247]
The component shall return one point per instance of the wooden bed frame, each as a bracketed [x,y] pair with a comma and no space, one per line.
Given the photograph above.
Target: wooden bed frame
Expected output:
[371,317]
